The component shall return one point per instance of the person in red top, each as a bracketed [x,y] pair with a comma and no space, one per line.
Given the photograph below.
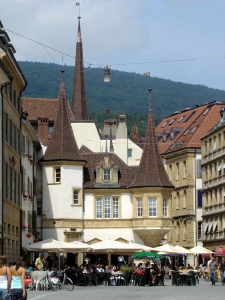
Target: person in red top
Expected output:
[139,271]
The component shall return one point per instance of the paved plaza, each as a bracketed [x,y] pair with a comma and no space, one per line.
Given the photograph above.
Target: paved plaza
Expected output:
[202,291]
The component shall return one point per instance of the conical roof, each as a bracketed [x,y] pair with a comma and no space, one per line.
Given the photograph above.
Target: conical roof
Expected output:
[135,135]
[151,171]
[62,145]
[79,102]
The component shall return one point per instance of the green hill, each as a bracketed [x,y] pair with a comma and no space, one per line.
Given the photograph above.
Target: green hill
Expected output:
[126,93]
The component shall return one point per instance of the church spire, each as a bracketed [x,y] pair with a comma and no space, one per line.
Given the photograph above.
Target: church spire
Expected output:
[62,145]
[151,171]
[79,102]
[135,135]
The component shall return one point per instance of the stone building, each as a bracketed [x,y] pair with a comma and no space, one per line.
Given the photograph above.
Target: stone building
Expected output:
[211,232]
[12,83]
[178,137]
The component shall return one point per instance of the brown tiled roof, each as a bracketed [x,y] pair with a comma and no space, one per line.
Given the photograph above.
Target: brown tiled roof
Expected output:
[79,102]
[151,172]
[192,123]
[126,174]
[40,107]
[62,145]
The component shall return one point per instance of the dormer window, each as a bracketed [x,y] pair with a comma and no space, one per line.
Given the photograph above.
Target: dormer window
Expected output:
[164,124]
[106,175]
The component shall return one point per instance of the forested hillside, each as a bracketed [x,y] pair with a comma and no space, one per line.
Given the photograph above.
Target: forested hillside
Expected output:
[126,93]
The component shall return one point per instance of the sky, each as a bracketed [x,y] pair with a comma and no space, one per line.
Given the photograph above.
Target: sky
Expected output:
[180,40]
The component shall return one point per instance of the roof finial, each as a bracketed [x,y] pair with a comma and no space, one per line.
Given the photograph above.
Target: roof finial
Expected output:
[62,77]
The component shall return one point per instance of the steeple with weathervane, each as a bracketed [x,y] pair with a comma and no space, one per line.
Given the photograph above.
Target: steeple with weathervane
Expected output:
[79,102]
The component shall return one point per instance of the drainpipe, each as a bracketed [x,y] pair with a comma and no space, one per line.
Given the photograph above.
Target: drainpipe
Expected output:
[2,86]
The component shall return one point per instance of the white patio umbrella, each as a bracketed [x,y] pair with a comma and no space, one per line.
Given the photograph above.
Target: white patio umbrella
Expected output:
[183,250]
[168,249]
[200,250]
[80,247]
[142,247]
[51,245]
[115,246]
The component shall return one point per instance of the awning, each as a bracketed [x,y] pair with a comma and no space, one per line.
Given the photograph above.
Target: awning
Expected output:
[210,226]
[215,225]
[205,226]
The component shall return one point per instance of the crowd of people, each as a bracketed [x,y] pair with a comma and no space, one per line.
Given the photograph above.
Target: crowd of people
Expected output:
[12,275]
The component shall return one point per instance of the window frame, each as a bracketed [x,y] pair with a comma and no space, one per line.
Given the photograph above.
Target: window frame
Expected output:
[57,170]
[106,174]
[139,207]
[152,206]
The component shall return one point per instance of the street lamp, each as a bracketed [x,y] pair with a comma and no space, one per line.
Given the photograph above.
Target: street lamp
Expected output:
[107,76]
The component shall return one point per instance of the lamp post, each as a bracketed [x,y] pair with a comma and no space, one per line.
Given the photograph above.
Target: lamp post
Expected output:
[107,76]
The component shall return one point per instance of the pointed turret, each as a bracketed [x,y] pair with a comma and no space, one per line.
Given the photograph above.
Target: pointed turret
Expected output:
[62,145]
[135,135]
[151,171]
[79,102]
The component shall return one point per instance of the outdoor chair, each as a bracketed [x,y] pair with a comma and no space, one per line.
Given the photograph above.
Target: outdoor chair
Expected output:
[92,279]
[82,279]
[176,278]
[191,280]
[107,279]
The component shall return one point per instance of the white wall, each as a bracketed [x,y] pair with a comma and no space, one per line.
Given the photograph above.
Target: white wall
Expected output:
[126,206]
[58,198]
[86,134]
[113,234]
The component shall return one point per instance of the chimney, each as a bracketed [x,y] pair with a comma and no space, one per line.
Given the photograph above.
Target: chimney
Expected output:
[43,130]
[122,128]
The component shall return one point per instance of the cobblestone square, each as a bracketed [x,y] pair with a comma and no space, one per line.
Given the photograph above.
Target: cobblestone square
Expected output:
[203,290]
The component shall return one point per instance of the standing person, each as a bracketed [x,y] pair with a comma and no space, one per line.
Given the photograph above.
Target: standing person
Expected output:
[222,270]
[18,290]
[5,277]
[212,270]
[40,262]
[147,272]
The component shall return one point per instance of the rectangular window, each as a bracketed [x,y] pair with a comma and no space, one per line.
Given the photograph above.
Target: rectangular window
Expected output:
[106,175]
[170,168]
[6,127]
[107,207]
[10,132]
[99,208]
[139,207]
[164,207]
[115,208]
[199,230]
[177,171]
[50,127]
[199,198]
[185,170]
[199,168]
[57,175]
[39,207]
[129,152]
[75,197]
[152,207]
